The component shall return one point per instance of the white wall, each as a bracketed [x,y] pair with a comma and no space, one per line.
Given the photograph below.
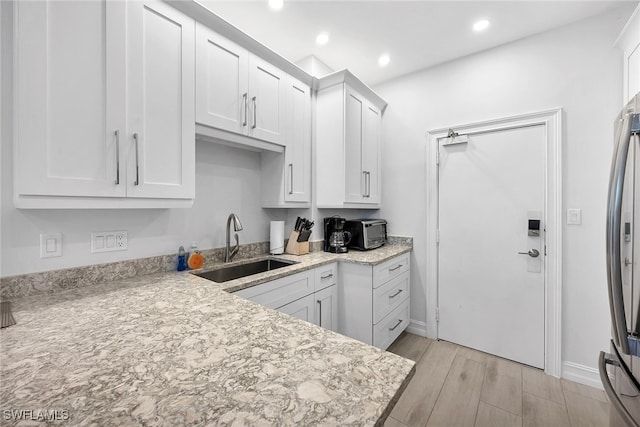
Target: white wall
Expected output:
[227,180]
[574,67]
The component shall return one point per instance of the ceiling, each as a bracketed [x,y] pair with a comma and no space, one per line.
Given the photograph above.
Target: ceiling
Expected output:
[415,34]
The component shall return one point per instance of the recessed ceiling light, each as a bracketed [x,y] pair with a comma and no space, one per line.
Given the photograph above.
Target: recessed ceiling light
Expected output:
[322,38]
[276,4]
[383,61]
[481,25]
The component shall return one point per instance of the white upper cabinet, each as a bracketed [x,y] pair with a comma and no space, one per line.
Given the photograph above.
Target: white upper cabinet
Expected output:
[286,179]
[266,96]
[237,91]
[160,77]
[298,142]
[70,98]
[222,70]
[89,77]
[629,43]
[347,168]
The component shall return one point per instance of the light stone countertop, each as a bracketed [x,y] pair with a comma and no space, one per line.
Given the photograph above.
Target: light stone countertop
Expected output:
[307,262]
[175,349]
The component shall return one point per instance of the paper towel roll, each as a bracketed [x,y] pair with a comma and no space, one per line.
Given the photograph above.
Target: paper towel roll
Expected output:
[276,239]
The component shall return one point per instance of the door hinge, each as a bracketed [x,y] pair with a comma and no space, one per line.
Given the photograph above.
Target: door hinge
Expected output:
[437,236]
[437,157]
[437,314]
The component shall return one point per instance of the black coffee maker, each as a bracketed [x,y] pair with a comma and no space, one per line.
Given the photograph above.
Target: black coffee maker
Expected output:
[335,238]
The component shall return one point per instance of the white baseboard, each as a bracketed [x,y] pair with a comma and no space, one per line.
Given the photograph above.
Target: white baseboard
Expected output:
[581,374]
[418,328]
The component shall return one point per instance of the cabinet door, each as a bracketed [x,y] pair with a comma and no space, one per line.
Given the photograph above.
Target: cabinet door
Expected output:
[326,313]
[70,98]
[160,73]
[298,142]
[302,309]
[222,75]
[371,154]
[266,101]
[354,123]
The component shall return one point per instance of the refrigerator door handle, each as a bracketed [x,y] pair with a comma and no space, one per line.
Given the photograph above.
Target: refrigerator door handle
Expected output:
[603,361]
[614,220]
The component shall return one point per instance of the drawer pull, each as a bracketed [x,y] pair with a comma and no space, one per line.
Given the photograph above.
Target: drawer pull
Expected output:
[328,276]
[396,294]
[397,324]
[395,268]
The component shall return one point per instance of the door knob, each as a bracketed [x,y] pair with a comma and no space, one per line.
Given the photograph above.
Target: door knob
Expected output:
[533,253]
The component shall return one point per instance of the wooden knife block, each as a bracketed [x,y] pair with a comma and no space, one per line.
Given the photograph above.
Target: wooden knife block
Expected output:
[296,248]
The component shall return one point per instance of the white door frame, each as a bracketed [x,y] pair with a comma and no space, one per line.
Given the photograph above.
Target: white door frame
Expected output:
[552,121]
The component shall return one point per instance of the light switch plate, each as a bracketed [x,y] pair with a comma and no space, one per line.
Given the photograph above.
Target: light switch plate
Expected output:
[574,216]
[50,245]
[108,241]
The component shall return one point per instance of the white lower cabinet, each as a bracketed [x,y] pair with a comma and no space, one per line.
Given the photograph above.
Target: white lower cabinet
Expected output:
[311,295]
[371,304]
[326,308]
[303,309]
[373,301]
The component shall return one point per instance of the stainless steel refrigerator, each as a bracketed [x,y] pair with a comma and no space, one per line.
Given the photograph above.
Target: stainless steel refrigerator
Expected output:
[620,370]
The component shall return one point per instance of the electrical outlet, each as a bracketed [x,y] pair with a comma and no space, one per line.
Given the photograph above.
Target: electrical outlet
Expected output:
[108,241]
[121,240]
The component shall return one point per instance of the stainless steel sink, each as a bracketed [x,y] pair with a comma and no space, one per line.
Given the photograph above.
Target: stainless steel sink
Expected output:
[231,272]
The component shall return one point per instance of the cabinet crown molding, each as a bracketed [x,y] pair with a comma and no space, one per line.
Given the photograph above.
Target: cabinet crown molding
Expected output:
[216,23]
[346,76]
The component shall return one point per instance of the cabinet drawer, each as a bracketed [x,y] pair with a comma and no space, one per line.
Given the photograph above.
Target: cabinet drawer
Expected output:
[280,292]
[385,332]
[389,296]
[326,275]
[386,271]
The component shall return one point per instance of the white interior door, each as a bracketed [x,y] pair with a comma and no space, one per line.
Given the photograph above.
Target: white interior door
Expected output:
[491,297]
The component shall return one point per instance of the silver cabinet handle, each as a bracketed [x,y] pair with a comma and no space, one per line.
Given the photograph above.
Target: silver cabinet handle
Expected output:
[290,178]
[627,263]
[117,157]
[255,116]
[396,294]
[364,183]
[395,268]
[135,140]
[246,104]
[533,253]
[368,184]
[396,325]
[328,276]
[320,312]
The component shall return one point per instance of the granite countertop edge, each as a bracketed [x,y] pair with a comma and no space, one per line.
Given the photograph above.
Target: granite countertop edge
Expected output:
[304,366]
[304,263]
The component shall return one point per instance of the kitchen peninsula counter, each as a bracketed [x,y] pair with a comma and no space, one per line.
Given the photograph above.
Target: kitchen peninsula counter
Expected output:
[176,349]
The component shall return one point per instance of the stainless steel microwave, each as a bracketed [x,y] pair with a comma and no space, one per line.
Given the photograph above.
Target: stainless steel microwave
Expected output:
[366,233]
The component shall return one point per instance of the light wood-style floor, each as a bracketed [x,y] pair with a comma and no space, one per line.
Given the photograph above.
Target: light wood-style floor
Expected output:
[457,386]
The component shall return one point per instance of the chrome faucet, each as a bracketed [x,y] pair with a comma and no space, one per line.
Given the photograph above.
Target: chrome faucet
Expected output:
[237,226]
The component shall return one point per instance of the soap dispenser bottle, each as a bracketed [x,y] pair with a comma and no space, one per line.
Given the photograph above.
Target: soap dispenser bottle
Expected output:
[196,260]
[182,259]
